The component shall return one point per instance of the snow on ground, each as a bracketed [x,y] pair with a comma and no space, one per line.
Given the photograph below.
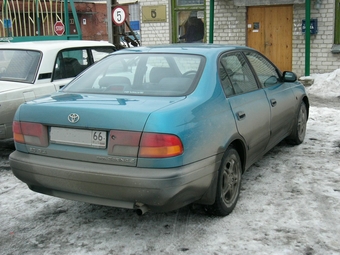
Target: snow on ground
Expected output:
[326,85]
[289,204]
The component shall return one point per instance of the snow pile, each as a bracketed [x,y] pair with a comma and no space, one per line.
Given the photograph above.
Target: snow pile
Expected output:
[326,85]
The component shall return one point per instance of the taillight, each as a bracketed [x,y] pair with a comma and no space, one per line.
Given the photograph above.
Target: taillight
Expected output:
[30,133]
[123,143]
[154,145]
[146,145]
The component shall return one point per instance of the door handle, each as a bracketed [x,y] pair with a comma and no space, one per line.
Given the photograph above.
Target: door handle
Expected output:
[273,102]
[241,115]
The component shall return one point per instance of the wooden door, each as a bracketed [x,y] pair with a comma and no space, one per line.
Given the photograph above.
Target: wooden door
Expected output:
[270,30]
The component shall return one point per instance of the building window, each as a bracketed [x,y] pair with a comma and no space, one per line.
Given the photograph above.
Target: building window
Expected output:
[188,23]
[189,2]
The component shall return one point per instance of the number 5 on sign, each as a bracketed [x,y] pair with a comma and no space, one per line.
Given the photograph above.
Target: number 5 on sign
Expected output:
[118,15]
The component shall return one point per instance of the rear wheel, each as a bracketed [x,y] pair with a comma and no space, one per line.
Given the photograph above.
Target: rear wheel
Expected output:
[229,183]
[299,129]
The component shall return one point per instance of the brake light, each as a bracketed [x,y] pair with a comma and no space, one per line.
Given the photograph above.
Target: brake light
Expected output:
[30,133]
[123,143]
[154,145]
[146,145]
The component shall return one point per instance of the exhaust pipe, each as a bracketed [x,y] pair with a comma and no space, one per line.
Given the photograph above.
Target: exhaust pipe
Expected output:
[141,209]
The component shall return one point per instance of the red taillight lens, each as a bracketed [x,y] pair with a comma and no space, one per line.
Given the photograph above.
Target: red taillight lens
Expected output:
[146,145]
[17,133]
[154,145]
[30,133]
[123,143]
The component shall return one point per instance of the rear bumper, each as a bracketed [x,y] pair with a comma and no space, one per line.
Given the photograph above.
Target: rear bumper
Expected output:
[118,186]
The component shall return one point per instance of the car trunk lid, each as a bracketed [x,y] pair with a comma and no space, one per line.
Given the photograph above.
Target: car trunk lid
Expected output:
[95,128]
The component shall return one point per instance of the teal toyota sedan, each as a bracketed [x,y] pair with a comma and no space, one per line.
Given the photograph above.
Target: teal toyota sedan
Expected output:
[158,128]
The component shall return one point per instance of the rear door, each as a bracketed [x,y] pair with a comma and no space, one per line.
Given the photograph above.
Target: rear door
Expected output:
[248,102]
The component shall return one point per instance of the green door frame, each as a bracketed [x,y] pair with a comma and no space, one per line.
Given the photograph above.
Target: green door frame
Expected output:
[211,21]
[337,23]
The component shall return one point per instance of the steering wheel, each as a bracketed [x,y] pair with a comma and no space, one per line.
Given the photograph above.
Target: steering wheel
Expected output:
[189,73]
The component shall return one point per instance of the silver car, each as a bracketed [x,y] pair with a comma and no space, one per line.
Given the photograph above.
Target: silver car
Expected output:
[29,70]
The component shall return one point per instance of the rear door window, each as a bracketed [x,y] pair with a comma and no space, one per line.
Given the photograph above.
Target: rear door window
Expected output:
[19,65]
[235,74]
[70,63]
[100,52]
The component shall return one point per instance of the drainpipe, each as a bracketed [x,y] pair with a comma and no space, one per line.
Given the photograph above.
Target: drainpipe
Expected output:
[307,39]
[211,21]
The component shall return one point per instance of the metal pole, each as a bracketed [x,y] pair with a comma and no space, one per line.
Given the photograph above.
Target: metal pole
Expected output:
[6,20]
[67,18]
[211,21]
[37,17]
[116,30]
[109,20]
[307,39]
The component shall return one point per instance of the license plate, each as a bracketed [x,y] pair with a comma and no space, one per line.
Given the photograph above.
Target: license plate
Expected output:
[78,137]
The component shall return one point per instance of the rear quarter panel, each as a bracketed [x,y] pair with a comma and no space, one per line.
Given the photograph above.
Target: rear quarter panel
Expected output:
[204,122]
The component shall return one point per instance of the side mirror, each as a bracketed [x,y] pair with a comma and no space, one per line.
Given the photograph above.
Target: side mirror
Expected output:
[289,76]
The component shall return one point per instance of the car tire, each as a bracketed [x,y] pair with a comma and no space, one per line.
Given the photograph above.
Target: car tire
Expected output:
[299,128]
[228,185]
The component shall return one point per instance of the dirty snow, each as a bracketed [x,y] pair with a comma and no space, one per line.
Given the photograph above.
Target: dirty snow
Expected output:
[289,204]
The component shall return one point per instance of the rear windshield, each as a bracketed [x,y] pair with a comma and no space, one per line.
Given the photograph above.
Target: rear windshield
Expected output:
[19,65]
[141,74]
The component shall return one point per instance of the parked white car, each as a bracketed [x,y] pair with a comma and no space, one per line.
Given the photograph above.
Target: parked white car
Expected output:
[29,70]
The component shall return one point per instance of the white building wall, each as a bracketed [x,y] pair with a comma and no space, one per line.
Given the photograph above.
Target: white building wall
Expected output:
[322,60]
[230,28]
[155,33]
[229,23]
[134,11]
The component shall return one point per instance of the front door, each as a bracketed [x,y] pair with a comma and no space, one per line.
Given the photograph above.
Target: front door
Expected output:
[270,30]
[248,102]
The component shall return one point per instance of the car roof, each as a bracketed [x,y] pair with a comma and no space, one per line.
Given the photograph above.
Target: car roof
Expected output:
[52,44]
[190,48]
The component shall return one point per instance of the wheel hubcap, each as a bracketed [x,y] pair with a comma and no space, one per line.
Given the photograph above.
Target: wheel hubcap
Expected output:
[230,181]
[302,123]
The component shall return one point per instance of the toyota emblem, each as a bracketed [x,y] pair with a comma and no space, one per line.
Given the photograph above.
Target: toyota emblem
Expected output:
[73,118]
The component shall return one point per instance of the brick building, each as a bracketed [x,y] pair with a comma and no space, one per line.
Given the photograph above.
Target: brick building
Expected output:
[92,17]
